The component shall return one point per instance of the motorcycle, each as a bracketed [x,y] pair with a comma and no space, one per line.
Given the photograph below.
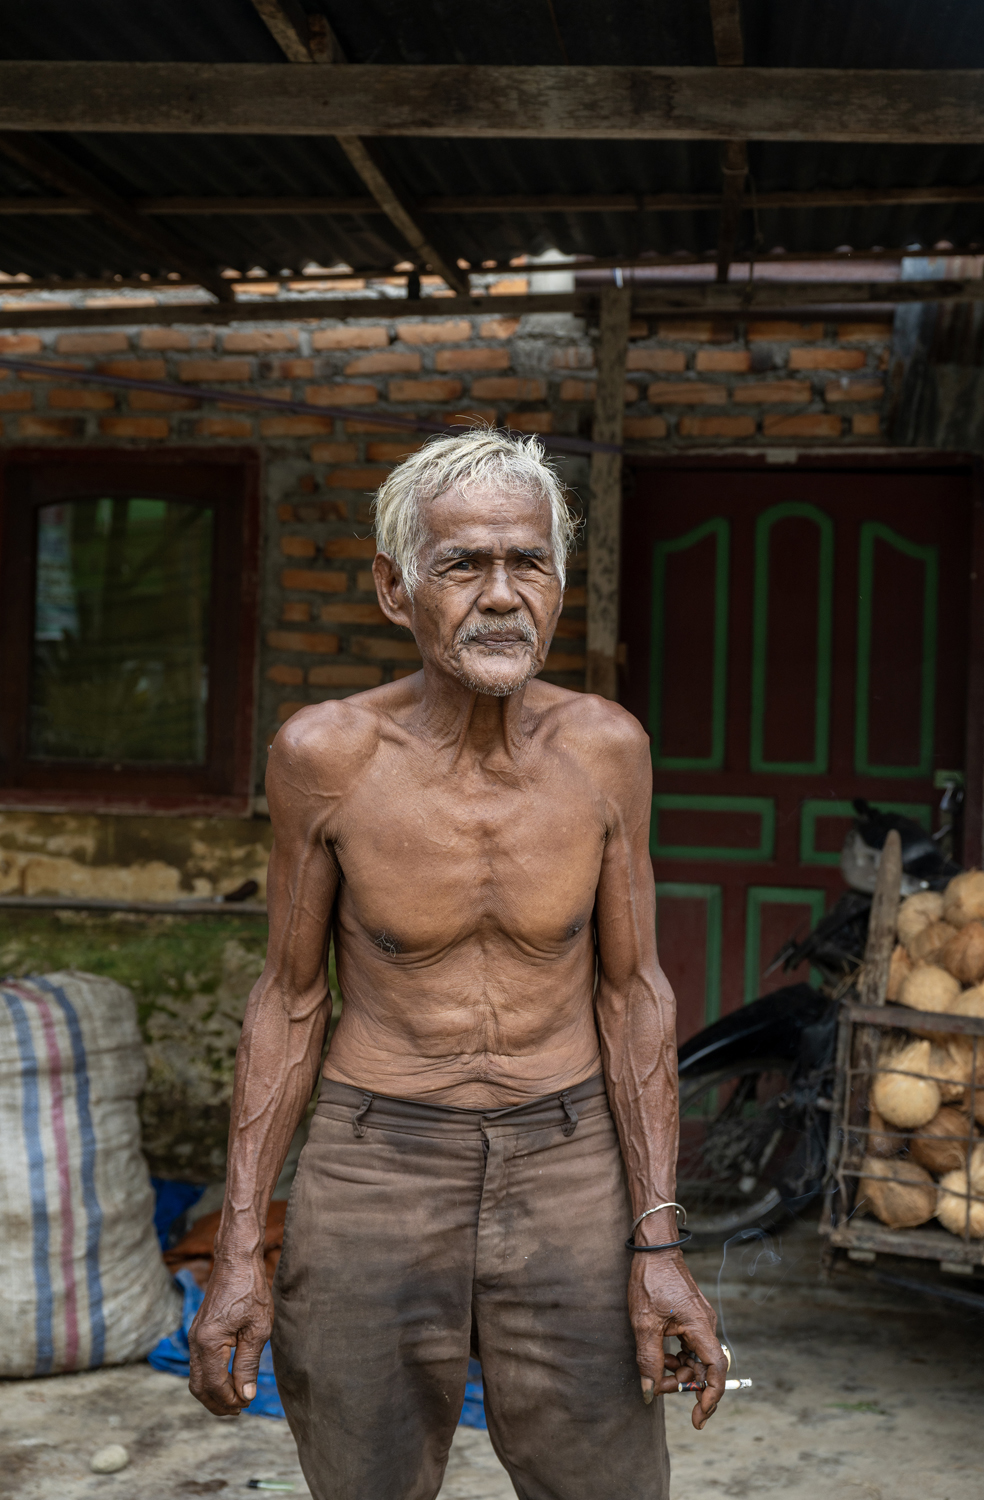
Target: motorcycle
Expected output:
[756,1086]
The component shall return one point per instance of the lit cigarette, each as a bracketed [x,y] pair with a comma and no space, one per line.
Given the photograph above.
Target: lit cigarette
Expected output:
[269,1484]
[701,1385]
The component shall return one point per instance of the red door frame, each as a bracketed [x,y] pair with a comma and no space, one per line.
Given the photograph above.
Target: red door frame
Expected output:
[890,458]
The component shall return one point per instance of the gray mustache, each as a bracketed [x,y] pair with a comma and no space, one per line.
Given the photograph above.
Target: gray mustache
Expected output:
[493,625]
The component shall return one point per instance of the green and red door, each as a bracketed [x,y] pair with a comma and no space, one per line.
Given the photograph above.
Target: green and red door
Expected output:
[795,638]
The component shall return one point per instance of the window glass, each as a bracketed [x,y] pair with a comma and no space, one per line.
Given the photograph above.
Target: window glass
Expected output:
[121,628]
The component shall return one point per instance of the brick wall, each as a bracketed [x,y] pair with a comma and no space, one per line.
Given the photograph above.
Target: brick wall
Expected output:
[691,386]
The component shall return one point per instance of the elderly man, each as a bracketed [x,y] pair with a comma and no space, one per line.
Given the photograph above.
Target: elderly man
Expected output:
[499,1101]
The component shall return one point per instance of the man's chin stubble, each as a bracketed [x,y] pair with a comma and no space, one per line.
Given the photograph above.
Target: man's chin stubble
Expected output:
[492,686]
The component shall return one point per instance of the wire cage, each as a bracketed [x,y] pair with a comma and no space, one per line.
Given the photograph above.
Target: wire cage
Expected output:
[939,1213]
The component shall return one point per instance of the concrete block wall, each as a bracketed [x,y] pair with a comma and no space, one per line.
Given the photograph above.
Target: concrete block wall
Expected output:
[690,386]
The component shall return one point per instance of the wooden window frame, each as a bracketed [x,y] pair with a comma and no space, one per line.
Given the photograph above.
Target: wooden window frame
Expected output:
[876,458]
[228,479]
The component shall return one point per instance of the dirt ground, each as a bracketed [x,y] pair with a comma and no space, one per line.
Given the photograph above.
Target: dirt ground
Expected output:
[860,1394]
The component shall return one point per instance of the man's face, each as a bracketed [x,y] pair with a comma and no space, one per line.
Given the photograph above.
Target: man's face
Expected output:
[489,595]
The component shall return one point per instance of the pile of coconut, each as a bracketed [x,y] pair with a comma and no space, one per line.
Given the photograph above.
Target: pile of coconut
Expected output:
[924,1155]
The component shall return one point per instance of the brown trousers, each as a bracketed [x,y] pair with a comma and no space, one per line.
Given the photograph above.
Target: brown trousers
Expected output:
[417,1233]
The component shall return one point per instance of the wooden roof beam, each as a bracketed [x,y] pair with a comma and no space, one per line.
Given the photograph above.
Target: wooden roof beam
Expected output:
[49,166]
[729,49]
[310,39]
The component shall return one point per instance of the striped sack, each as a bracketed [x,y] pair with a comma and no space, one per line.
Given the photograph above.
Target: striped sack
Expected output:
[82,1282]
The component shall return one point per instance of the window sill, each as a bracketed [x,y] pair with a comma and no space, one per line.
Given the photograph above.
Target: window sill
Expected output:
[188,805]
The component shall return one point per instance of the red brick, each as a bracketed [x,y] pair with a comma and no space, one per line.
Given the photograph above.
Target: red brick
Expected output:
[350,337]
[194,371]
[287,711]
[638,328]
[866,424]
[260,341]
[879,331]
[296,369]
[334,453]
[510,286]
[317,643]
[49,427]
[725,427]
[134,427]
[433,332]
[313,580]
[687,393]
[387,362]
[383,648]
[575,358]
[134,369]
[700,331]
[560,662]
[392,453]
[398,673]
[570,630]
[584,390]
[285,427]
[353,614]
[778,332]
[282,673]
[341,395]
[81,398]
[92,343]
[19,343]
[509,388]
[731,361]
[826,359]
[498,328]
[342,676]
[157,401]
[365,583]
[668,361]
[575,598]
[773,391]
[815,425]
[475,416]
[295,612]
[378,426]
[297,546]
[285,513]
[854,390]
[350,546]
[424,390]
[224,427]
[471,359]
[16,400]
[356,479]
[529,421]
[639,428]
[164,338]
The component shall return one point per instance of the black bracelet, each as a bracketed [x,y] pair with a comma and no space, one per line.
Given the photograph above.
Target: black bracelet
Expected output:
[670,1244]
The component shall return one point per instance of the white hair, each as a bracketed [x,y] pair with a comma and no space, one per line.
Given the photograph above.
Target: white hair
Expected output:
[483,456]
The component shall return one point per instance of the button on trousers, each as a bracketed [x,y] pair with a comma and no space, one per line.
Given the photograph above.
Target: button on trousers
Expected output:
[417,1234]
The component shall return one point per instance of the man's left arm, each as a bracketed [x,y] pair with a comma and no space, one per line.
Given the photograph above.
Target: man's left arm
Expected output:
[636,1015]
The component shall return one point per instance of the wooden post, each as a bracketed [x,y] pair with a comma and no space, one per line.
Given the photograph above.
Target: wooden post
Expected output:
[605,515]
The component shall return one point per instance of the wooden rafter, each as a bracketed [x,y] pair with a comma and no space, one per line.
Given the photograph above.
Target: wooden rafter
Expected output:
[292,29]
[49,166]
[857,105]
[729,50]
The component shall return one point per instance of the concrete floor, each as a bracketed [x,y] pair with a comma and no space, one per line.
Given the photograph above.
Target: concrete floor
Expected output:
[859,1395]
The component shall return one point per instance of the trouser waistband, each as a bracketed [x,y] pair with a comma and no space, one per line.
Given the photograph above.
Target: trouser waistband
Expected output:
[389,1113]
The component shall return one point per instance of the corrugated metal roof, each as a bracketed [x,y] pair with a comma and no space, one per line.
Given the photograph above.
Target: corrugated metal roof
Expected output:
[789,33]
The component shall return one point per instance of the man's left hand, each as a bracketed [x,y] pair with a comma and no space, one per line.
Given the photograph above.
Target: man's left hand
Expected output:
[665,1302]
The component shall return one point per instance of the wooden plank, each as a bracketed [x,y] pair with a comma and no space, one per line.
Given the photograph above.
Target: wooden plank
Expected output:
[729,46]
[605,512]
[888,1016]
[520,203]
[48,165]
[287,23]
[922,1244]
[734,171]
[459,100]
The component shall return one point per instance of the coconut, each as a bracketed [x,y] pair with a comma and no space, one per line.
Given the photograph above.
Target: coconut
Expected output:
[899,967]
[900,1193]
[930,941]
[963,899]
[929,988]
[960,1198]
[916,911]
[963,954]
[950,1072]
[900,1098]
[970,1003]
[942,1145]
[883,1141]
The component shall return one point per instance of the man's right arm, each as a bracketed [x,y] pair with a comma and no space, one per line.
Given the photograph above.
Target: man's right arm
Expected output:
[276,1070]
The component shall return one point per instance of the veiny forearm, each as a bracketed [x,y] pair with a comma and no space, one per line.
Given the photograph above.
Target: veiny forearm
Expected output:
[276,1071]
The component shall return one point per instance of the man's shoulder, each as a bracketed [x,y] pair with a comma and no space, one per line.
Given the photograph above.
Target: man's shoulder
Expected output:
[337,736]
[595,724]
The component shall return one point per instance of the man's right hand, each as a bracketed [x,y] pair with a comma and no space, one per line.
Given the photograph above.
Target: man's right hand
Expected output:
[237,1314]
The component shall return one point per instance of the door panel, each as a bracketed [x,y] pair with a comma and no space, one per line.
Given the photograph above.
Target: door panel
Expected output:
[794,640]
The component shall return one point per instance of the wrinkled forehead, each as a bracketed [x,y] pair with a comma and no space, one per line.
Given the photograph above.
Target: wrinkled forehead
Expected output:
[489,514]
